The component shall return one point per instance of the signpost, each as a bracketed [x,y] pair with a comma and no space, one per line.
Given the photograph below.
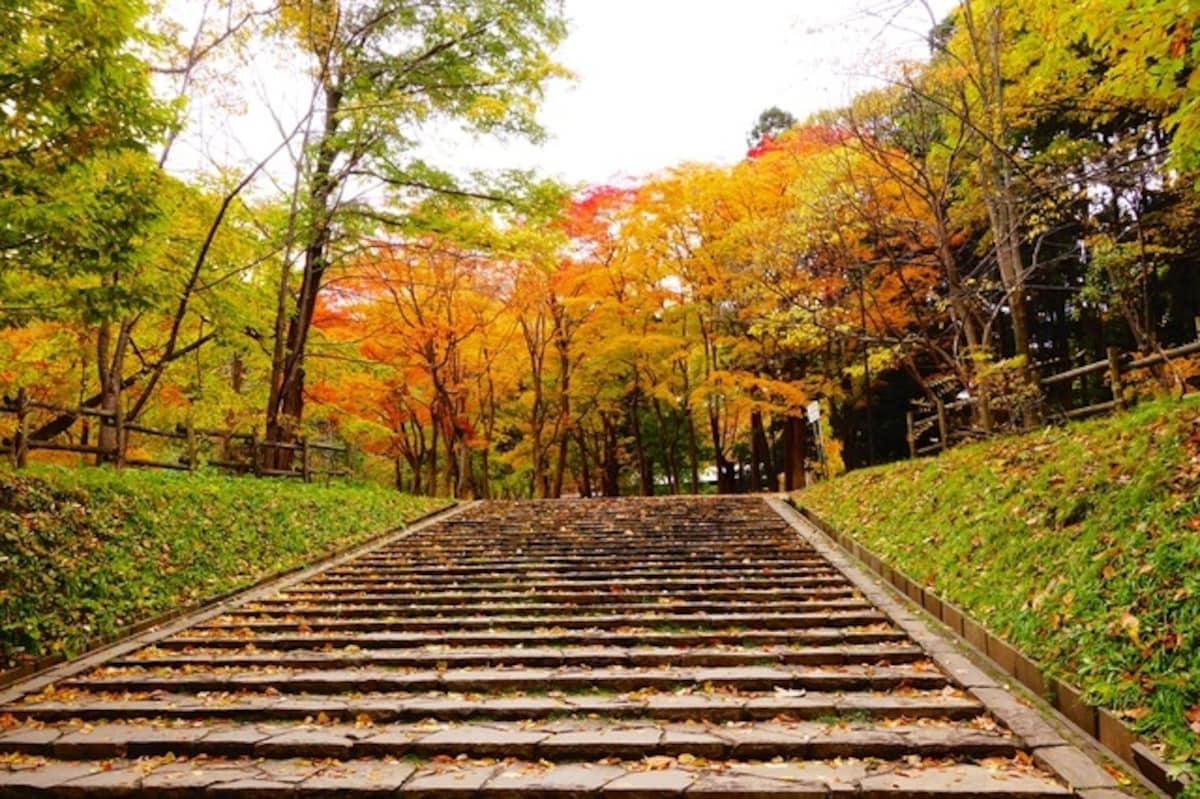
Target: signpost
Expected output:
[813,412]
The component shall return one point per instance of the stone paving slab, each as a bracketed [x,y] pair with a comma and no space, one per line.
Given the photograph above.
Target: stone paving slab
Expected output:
[236,639]
[883,654]
[333,681]
[553,740]
[391,708]
[762,621]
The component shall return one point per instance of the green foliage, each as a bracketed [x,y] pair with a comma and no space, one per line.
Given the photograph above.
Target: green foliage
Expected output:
[89,551]
[770,123]
[77,186]
[1081,546]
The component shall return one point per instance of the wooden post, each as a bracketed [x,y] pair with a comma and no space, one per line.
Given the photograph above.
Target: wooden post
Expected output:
[191,442]
[119,419]
[255,461]
[20,445]
[943,425]
[985,412]
[1114,376]
[305,460]
[912,435]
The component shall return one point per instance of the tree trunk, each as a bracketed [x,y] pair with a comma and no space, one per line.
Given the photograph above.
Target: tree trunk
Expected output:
[433,459]
[285,405]
[645,468]
[110,359]
[670,445]
[485,482]
[585,472]
[760,466]
[693,452]
[795,432]
[611,486]
[726,478]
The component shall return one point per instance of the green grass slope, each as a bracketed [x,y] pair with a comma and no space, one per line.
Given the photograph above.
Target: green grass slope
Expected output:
[1079,545]
[86,552]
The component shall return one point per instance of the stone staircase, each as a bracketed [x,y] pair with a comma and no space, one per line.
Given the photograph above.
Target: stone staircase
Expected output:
[649,648]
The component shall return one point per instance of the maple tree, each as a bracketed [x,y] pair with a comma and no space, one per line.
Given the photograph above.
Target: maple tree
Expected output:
[1015,205]
[378,69]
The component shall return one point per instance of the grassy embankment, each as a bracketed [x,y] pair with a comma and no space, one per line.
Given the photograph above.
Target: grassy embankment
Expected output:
[1079,545]
[86,552]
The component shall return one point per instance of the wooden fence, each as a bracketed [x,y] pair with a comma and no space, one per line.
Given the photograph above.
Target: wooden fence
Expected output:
[942,418]
[244,453]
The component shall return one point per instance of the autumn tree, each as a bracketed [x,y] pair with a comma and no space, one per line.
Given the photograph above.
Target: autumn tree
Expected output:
[380,70]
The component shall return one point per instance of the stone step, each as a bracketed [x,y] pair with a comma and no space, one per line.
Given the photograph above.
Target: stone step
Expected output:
[608,582]
[303,594]
[340,608]
[553,740]
[875,633]
[760,621]
[663,540]
[531,656]
[633,575]
[617,649]
[666,778]
[549,564]
[383,708]
[534,680]
[716,551]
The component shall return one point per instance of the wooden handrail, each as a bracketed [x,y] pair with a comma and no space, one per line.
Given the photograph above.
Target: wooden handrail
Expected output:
[1116,364]
[247,445]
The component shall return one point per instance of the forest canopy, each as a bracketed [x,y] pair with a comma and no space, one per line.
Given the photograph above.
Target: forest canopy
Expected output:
[1012,206]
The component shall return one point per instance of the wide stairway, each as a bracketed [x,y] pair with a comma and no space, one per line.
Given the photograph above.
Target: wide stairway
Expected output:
[629,648]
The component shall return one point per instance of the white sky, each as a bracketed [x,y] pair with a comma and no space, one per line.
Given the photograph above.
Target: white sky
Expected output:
[659,82]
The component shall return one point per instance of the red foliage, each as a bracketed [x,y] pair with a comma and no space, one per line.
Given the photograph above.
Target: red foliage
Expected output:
[800,139]
[585,217]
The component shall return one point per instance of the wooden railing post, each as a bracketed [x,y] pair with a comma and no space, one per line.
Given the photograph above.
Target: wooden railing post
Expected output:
[985,412]
[255,460]
[1114,375]
[119,419]
[912,434]
[191,442]
[20,445]
[305,460]
[943,425]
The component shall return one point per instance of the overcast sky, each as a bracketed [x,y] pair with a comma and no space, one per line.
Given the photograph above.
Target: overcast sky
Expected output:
[659,82]
[666,81]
